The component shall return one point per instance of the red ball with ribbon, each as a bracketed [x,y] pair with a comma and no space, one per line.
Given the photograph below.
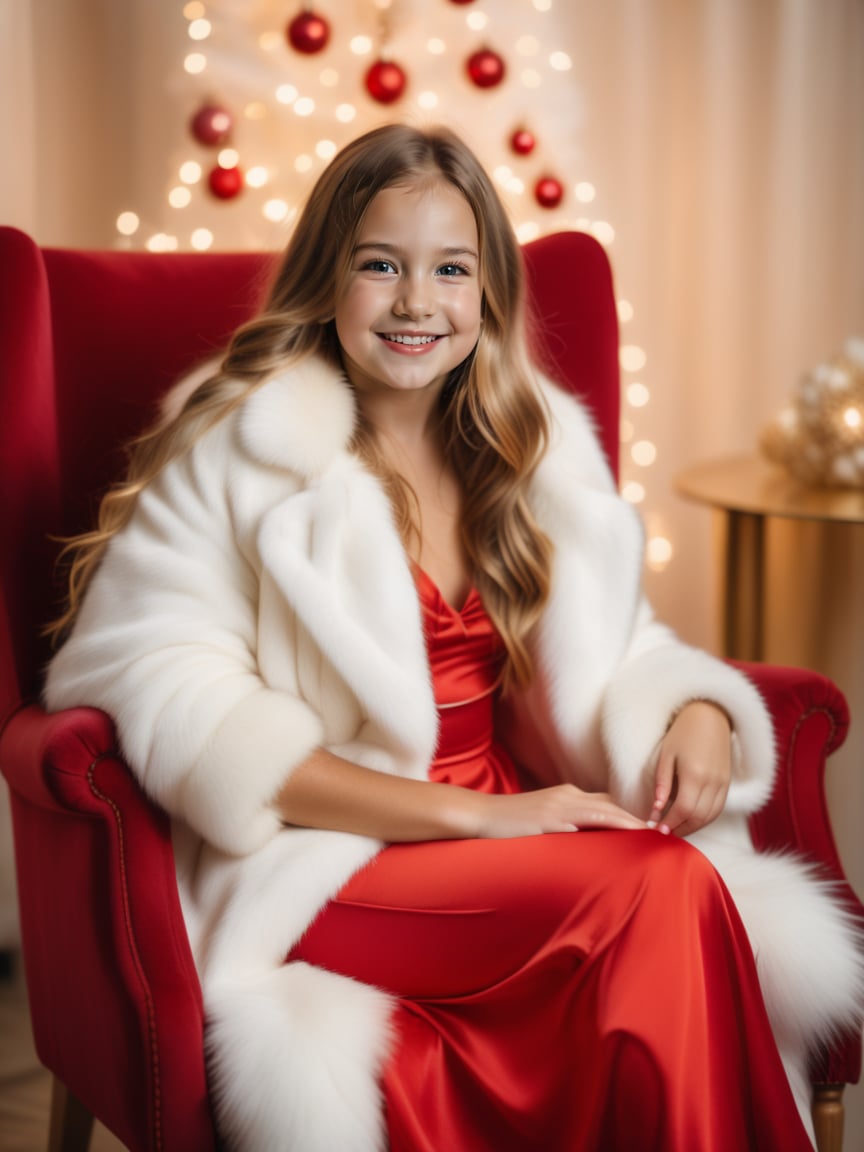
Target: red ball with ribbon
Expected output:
[225,183]
[548,192]
[385,81]
[211,125]
[485,68]
[308,32]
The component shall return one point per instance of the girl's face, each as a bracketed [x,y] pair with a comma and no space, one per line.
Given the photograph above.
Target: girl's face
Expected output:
[409,309]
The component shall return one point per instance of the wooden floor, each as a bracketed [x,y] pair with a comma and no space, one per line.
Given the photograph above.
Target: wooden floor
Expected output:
[25,1086]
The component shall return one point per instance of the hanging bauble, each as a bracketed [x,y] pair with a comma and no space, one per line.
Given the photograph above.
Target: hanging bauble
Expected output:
[523,142]
[486,68]
[461,1]
[548,192]
[211,125]
[385,81]
[308,32]
[225,183]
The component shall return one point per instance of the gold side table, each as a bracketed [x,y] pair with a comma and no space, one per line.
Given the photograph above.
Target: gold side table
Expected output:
[745,492]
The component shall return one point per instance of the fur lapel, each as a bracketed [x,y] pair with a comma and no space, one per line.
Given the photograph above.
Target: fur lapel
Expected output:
[335,555]
[337,559]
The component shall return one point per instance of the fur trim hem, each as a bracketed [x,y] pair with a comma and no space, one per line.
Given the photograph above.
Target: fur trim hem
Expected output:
[295,1059]
[808,948]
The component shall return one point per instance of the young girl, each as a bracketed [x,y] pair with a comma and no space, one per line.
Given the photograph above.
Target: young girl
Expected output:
[367,616]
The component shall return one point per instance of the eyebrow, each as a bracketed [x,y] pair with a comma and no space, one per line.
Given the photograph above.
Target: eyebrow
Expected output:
[394,248]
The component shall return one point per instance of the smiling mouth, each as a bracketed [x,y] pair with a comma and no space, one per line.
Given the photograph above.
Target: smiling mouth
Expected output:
[403,338]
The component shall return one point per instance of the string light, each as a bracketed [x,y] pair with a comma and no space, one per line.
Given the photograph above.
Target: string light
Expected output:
[658,553]
[195,63]
[199,29]
[180,197]
[201,239]
[257,176]
[128,223]
[637,395]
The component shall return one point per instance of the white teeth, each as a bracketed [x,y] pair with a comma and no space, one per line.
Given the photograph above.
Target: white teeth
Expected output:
[398,338]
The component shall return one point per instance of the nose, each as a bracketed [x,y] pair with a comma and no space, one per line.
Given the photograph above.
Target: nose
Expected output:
[415,297]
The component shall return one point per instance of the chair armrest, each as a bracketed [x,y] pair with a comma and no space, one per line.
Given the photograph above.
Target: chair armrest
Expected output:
[811,719]
[115,999]
[46,757]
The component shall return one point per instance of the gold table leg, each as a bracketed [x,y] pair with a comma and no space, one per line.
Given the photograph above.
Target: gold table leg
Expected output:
[743,572]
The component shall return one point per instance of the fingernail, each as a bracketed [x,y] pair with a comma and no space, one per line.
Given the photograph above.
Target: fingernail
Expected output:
[650,823]
[665,829]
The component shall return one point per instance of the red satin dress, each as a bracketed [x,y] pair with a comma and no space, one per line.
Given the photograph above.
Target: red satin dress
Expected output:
[578,992]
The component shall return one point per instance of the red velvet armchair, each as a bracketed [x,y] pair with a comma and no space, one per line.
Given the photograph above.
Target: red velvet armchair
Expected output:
[89,341]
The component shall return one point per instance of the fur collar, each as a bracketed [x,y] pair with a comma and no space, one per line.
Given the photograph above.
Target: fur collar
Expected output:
[300,419]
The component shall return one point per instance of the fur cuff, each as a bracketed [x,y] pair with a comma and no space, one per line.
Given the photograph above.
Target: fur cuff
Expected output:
[226,796]
[647,691]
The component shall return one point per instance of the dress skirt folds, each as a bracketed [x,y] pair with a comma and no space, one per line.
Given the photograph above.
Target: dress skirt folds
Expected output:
[578,992]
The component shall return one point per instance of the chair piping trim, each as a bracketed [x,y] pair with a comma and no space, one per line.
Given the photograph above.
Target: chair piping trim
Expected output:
[828,747]
[151,1013]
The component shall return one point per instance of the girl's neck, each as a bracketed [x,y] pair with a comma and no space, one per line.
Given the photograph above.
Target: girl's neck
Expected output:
[409,438]
[410,419]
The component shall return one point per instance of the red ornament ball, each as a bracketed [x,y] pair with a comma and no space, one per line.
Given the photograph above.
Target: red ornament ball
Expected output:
[211,125]
[523,142]
[461,1]
[385,81]
[225,183]
[486,68]
[548,192]
[308,32]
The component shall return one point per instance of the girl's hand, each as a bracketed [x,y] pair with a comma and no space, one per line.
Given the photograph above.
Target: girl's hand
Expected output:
[694,768]
[562,808]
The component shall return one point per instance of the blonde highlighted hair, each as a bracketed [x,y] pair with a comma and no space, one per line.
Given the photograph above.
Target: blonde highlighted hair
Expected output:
[493,418]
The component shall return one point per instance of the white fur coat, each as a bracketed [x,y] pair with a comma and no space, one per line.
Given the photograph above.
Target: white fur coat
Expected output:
[260,604]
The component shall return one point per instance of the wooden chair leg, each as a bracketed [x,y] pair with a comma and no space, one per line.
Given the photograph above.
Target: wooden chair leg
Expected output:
[828,1116]
[71,1123]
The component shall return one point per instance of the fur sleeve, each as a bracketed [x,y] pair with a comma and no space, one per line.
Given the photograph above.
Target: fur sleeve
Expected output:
[657,677]
[165,643]
[610,667]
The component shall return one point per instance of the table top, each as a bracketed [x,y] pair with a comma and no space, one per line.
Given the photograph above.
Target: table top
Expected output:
[749,483]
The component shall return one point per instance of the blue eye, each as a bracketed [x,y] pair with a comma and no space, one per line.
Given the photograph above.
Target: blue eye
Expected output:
[383,266]
[453,270]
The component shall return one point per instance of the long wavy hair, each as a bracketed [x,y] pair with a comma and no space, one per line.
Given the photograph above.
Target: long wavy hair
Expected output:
[492,417]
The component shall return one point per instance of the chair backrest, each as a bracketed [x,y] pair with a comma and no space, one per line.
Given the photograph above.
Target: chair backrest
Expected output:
[90,341]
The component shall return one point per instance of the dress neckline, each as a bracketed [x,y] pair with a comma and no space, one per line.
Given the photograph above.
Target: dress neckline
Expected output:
[433,592]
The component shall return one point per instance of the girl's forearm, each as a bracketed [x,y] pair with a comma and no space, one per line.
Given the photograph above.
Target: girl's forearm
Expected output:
[327,791]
